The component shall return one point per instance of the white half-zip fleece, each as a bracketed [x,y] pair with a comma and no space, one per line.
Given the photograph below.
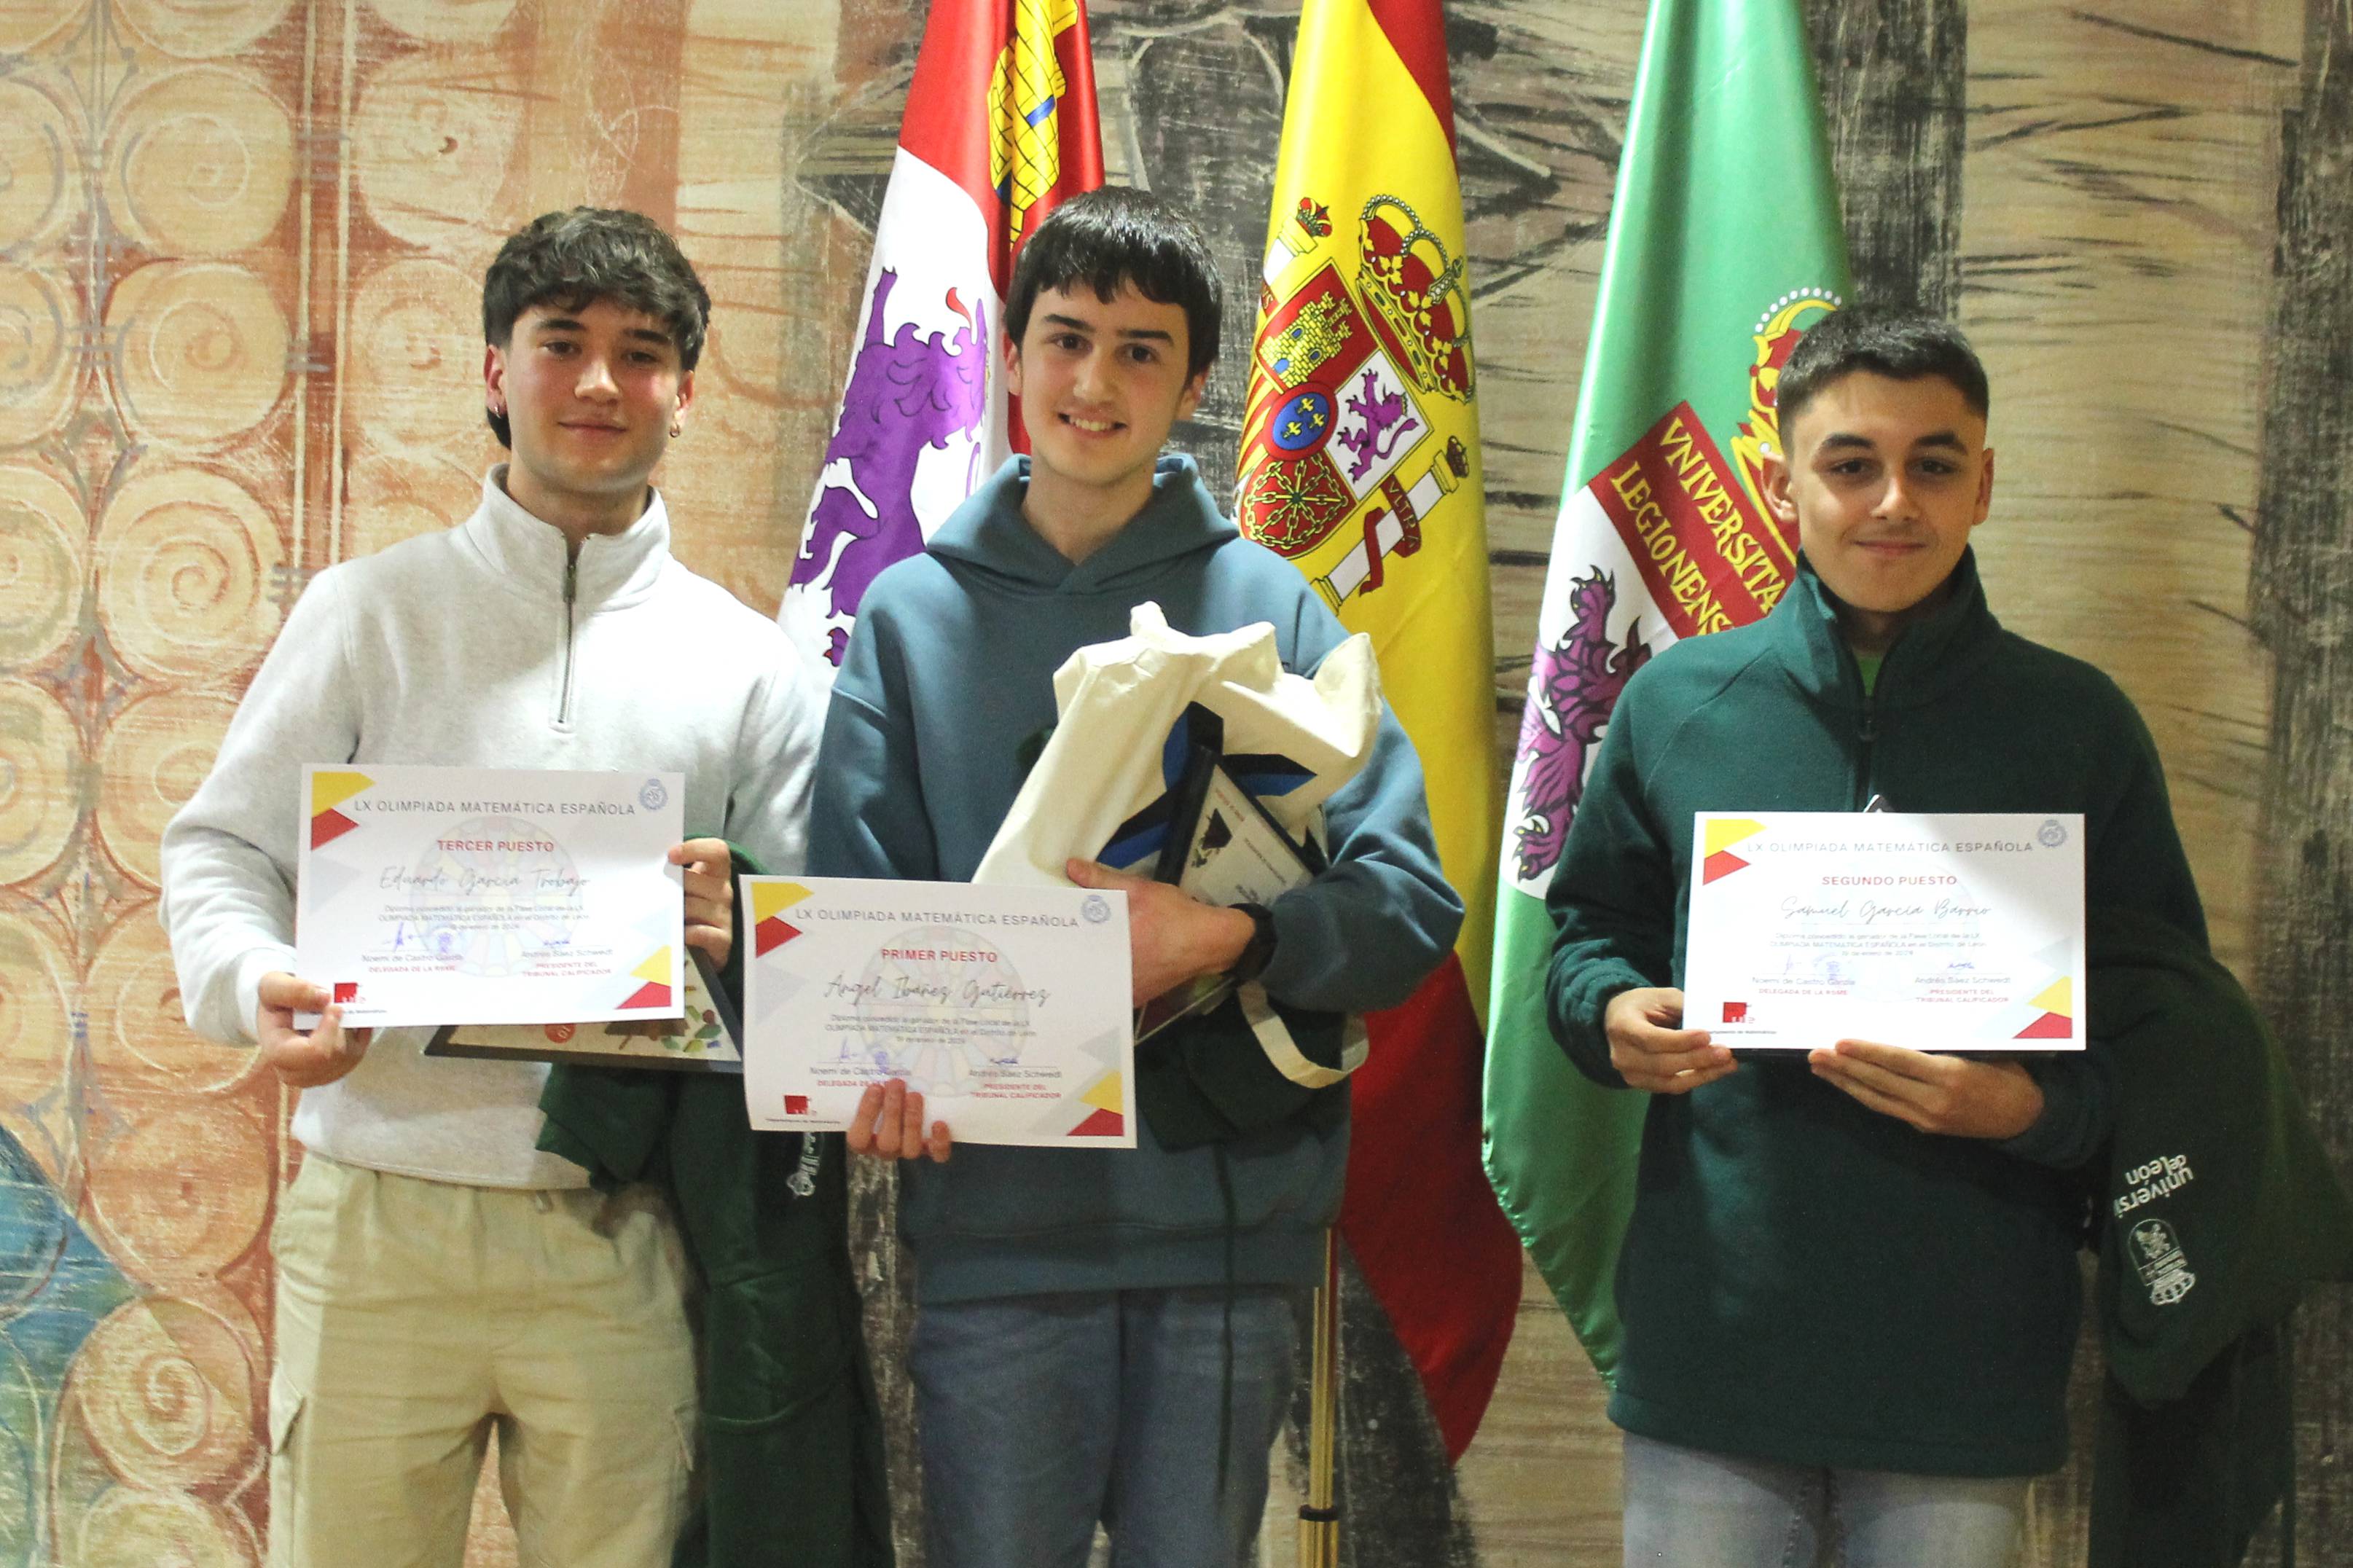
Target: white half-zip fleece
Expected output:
[463,648]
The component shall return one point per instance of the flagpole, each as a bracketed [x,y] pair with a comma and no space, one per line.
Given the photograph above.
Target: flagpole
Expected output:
[1319,1521]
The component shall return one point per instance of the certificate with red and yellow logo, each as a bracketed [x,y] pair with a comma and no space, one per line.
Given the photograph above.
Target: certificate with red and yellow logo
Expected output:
[1961,931]
[428,895]
[1006,1007]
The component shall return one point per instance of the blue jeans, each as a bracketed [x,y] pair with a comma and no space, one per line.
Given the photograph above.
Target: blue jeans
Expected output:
[1689,1509]
[1044,1415]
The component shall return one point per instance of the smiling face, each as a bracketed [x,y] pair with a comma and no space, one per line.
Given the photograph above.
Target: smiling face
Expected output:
[1883,481]
[590,394]
[1100,383]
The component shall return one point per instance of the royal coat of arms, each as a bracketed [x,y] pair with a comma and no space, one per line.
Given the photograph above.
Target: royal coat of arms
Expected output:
[1363,370]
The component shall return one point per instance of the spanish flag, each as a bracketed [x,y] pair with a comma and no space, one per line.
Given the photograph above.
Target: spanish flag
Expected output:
[1361,465]
[999,128]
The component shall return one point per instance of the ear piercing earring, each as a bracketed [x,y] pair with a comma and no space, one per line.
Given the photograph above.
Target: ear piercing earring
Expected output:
[676,430]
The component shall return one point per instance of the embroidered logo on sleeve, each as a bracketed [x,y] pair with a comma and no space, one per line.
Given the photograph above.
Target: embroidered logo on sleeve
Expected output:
[2157,1252]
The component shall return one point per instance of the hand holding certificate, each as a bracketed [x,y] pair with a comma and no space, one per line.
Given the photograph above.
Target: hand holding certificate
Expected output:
[446,895]
[1951,932]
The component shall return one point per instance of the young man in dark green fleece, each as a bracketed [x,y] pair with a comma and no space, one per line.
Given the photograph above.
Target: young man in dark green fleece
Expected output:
[1849,1287]
[1105,1335]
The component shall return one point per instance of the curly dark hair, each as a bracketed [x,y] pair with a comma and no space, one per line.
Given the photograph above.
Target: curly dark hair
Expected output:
[575,259]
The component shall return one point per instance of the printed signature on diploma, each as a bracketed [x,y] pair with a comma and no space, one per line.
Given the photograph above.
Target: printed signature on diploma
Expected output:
[1870,912]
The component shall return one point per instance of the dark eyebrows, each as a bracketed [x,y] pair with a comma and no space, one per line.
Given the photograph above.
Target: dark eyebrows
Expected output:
[568,324]
[1848,441]
[1150,335]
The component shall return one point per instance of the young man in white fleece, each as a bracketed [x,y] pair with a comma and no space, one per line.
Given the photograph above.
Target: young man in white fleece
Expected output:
[437,1273]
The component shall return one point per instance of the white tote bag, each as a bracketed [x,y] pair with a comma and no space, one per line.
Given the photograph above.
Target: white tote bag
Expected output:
[1117,702]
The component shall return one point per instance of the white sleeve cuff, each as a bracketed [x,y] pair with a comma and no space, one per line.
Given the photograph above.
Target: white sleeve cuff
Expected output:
[262,961]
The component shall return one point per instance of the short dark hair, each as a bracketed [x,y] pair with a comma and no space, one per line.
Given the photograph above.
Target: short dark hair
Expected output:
[1112,235]
[1900,342]
[575,259]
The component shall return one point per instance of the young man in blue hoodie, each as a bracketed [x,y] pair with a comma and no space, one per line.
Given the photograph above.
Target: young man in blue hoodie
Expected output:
[1106,1336]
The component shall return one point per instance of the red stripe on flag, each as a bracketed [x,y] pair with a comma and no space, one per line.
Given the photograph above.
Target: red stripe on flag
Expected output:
[946,121]
[1416,29]
[1418,1216]
[1081,132]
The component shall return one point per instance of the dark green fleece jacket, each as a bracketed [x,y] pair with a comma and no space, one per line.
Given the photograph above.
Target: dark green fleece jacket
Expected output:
[1805,1280]
[2218,1209]
[789,1468]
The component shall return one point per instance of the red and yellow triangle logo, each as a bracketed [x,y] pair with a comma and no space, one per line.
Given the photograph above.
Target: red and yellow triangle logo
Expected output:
[328,791]
[655,973]
[2057,1001]
[770,930]
[1716,857]
[1105,1121]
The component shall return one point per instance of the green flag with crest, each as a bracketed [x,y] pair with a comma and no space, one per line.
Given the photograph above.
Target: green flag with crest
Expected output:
[1725,245]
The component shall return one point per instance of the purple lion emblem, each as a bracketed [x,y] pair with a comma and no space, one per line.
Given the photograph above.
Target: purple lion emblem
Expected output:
[1387,420]
[1576,686]
[904,395]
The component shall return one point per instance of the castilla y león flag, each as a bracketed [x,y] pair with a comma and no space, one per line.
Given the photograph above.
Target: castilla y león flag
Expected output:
[999,127]
[1724,247]
[1361,465]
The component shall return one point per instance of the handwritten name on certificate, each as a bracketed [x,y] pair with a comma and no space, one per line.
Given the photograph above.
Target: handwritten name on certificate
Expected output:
[1950,932]
[1006,1007]
[490,896]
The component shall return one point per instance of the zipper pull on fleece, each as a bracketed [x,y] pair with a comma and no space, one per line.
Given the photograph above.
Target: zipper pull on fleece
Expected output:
[1865,797]
[571,593]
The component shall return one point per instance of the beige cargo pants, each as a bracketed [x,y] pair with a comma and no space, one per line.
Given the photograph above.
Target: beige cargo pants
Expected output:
[413,1316]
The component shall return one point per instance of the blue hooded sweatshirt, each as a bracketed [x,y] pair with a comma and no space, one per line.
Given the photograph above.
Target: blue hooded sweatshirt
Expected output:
[947,679]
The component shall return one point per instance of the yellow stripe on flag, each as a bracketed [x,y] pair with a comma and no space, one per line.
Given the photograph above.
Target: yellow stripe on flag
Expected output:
[1360,440]
[329,791]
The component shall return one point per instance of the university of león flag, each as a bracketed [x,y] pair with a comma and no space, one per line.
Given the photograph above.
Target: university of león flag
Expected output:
[1725,245]
[999,127]
[1361,465]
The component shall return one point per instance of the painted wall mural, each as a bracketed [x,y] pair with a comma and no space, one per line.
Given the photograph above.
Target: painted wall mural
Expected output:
[240,251]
